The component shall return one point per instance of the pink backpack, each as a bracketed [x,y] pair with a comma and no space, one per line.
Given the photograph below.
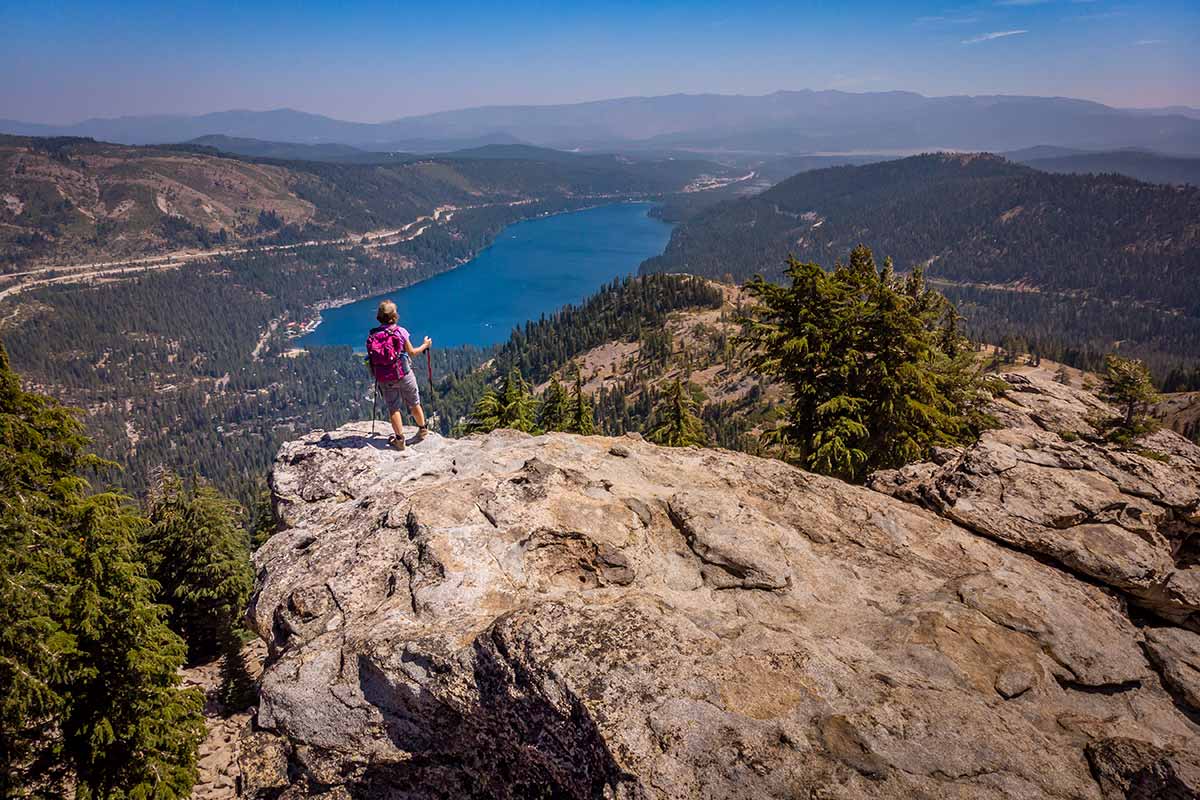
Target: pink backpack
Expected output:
[385,353]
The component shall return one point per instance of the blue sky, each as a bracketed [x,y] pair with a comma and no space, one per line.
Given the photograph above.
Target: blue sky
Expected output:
[370,61]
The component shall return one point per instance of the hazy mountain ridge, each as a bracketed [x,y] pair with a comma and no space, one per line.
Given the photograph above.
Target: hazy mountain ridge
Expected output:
[1139,164]
[781,122]
[292,151]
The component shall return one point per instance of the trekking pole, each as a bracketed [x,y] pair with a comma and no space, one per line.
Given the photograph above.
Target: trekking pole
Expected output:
[374,398]
[429,369]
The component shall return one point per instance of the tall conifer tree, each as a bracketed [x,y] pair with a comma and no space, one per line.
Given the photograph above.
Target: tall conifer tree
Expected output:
[876,369]
[511,406]
[88,663]
[677,423]
[554,409]
[199,554]
[582,417]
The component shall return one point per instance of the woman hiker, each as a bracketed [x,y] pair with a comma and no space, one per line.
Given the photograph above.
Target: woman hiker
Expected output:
[389,356]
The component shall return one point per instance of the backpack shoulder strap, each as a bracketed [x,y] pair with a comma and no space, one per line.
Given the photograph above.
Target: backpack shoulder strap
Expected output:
[395,331]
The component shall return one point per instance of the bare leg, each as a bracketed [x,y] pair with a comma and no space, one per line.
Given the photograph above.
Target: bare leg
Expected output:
[418,415]
[397,424]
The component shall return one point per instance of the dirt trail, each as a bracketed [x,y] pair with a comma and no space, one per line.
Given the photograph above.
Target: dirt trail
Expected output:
[219,758]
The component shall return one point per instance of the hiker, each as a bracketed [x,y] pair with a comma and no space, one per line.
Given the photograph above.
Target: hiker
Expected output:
[389,356]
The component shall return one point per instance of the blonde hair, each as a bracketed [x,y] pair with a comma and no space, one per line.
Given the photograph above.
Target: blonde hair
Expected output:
[387,314]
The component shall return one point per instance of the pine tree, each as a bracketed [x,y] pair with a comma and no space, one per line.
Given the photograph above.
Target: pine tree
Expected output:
[263,523]
[512,406]
[41,453]
[87,662]
[554,409]
[581,417]
[486,415]
[876,369]
[518,403]
[1127,385]
[199,555]
[678,425]
[129,731]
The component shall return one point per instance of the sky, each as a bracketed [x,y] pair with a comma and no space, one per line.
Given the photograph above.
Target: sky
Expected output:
[369,61]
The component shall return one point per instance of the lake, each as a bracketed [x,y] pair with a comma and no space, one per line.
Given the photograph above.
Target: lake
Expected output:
[534,267]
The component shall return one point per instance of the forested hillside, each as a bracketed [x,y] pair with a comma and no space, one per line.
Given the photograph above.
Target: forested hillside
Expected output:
[66,201]
[626,311]
[289,151]
[627,356]
[1022,251]
[185,368]
[180,363]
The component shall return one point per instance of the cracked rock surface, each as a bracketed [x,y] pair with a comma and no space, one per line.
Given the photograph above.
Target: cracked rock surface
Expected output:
[1045,483]
[507,616]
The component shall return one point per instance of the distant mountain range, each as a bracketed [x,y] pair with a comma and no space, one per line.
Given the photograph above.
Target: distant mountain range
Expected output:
[292,151]
[1183,111]
[345,154]
[1140,164]
[786,122]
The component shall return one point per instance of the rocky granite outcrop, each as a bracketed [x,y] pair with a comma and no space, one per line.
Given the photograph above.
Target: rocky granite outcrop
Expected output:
[1046,483]
[511,616]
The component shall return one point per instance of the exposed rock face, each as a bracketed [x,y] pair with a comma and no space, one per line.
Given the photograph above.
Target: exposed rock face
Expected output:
[1044,484]
[508,616]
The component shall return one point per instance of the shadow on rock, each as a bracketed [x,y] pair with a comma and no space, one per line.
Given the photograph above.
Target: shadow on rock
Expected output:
[516,742]
[353,442]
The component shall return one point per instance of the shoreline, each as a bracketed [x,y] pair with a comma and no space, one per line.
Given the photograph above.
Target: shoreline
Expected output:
[312,324]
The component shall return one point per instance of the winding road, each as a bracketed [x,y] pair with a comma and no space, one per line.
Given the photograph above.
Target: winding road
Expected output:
[80,273]
[76,273]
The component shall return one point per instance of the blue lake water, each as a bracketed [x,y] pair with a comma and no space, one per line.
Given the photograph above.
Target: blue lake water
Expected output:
[533,268]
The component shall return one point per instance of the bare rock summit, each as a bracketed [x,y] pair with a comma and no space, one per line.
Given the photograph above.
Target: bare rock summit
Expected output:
[508,616]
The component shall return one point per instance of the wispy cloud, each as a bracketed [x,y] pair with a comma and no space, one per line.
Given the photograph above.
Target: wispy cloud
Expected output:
[1147,42]
[944,19]
[987,37]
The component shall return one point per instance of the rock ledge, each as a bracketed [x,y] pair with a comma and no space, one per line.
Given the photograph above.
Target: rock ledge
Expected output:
[511,616]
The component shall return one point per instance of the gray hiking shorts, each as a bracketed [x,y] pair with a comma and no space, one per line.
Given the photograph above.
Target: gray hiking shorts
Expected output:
[400,394]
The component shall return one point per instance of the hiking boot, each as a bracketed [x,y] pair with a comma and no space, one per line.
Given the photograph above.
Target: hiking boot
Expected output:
[422,432]
[396,442]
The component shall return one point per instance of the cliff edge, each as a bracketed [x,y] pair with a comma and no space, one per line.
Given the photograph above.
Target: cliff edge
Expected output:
[508,616]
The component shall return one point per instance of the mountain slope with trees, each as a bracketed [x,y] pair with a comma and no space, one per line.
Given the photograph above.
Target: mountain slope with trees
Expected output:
[292,151]
[87,661]
[1085,259]
[71,200]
